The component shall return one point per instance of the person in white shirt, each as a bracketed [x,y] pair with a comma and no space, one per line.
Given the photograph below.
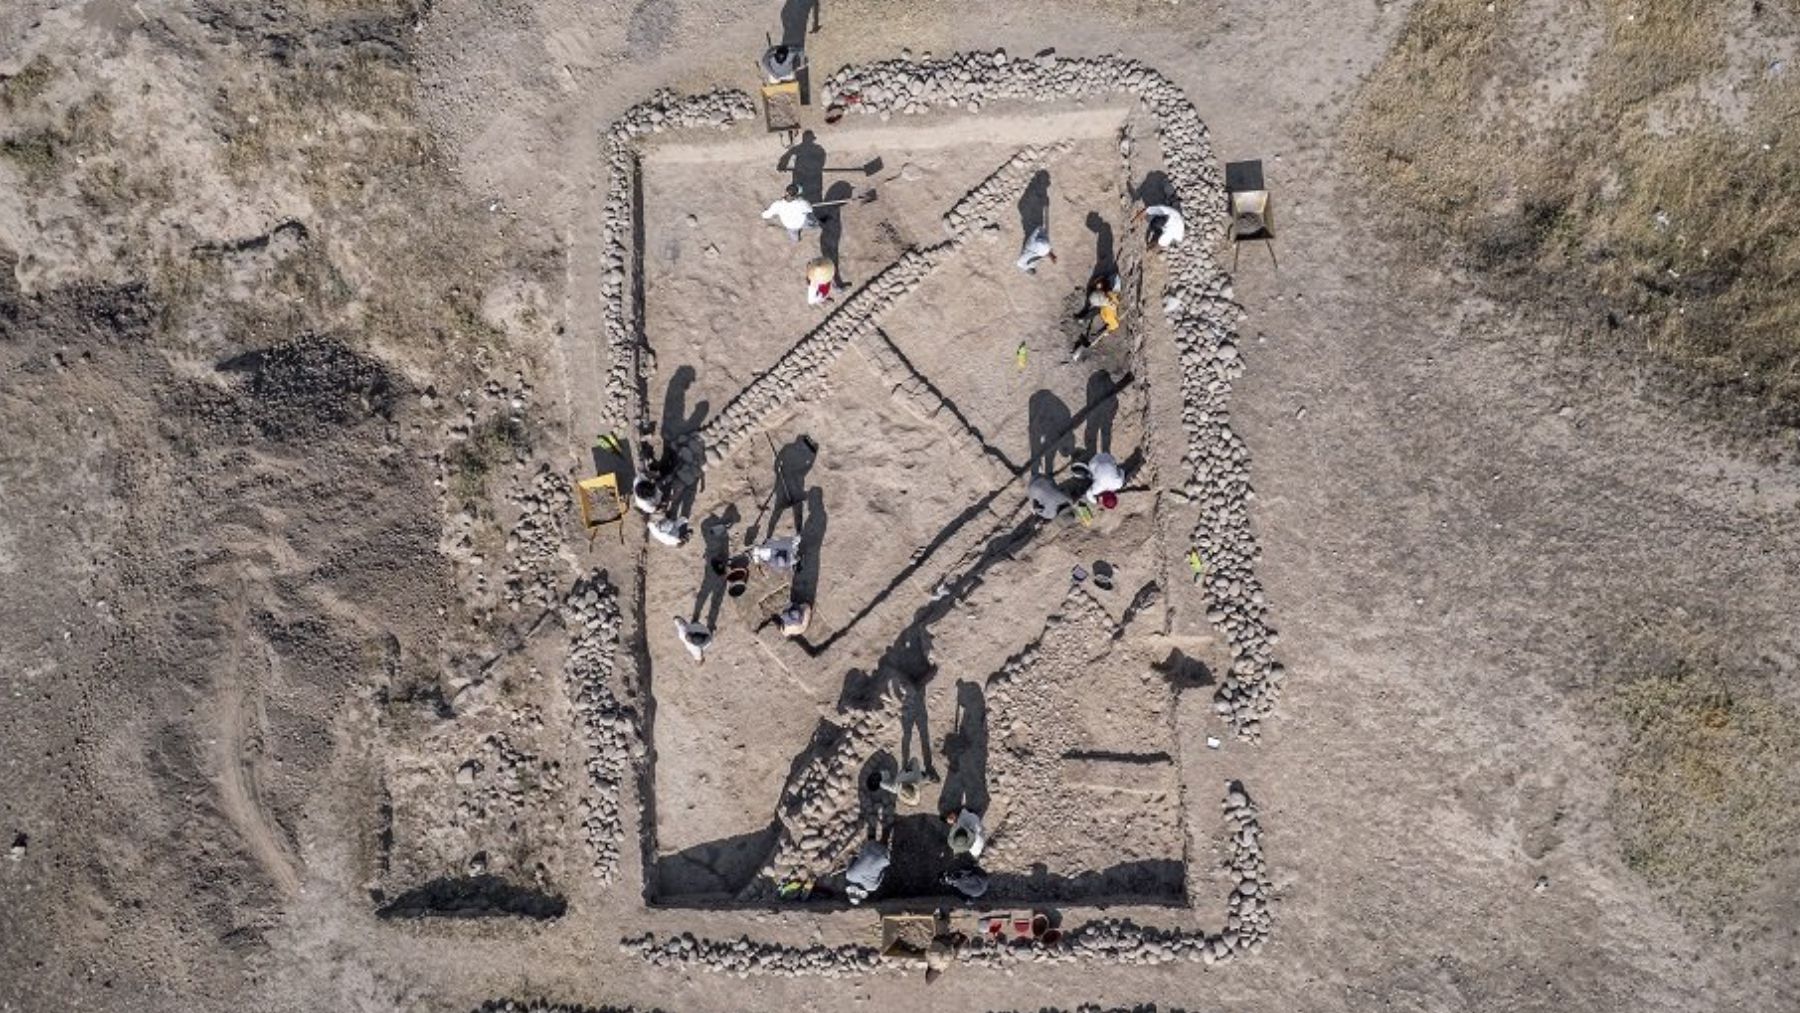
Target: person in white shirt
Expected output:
[1047,500]
[695,637]
[794,212]
[779,555]
[673,531]
[1104,478]
[1037,247]
[1165,226]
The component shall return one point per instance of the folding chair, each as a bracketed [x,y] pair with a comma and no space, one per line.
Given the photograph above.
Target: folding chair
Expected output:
[1251,215]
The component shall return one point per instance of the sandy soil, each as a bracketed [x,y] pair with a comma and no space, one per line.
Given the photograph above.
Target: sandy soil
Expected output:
[302,339]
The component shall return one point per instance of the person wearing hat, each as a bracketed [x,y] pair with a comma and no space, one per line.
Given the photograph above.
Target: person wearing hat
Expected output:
[966,835]
[1104,480]
[794,212]
[820,273]
[648,495]
[693,636]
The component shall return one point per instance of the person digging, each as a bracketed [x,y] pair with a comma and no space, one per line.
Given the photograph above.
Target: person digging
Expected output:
[1102,301]
[794,212]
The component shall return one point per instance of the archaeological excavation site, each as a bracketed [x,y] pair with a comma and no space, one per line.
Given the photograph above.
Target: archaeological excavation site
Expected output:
[940,651]
[1130,506]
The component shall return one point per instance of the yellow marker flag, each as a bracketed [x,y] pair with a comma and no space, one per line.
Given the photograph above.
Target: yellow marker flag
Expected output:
[1019,357]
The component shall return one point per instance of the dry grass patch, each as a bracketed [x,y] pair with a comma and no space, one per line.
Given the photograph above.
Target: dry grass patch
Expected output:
[1637,196]
[47,149]
[1708,785]
[31,80]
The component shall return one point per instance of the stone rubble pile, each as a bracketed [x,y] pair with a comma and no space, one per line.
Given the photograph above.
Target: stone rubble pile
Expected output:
[820,814]
[493,404]
[1109,940]
[744,957]
[546,1006]
[663,110]
[534,566]
[608,727]
[1094,1007]
[1197,302]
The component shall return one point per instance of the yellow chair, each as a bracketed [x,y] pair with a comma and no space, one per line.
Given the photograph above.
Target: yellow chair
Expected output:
[600,504]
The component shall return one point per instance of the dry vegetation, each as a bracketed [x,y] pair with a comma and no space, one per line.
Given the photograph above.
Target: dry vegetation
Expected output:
[1708,790]
[1632,190]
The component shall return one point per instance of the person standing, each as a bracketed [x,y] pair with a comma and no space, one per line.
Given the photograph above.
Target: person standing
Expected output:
[794,212]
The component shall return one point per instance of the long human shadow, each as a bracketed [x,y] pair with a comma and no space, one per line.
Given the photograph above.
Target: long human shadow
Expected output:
[1097,431]
[794,14]
[793,465]
[1156,188]
[1034,203]
[966,751]
[805,162]
[949,531]
[1105,262]
[1146,880]
[831,228]
[1050,429]
[678,425]
[715,533]
[812,542]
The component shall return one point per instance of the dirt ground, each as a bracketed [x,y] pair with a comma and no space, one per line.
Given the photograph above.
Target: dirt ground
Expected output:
[301,337]
[884,490]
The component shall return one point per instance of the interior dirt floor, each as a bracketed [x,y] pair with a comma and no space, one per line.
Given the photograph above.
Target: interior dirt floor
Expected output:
[284,670]
[896,468]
